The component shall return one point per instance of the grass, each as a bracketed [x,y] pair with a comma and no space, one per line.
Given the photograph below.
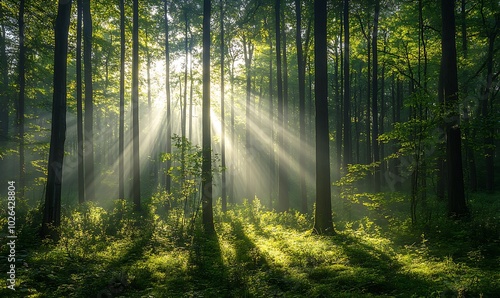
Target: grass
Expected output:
[259,253]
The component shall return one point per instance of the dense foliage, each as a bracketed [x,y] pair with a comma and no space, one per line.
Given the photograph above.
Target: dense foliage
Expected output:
[169,153]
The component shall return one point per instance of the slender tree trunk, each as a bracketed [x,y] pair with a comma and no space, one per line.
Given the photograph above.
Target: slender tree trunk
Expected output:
[282,185]
[357,113]
[463,17]
[339,85]
[79,104]
[89,110]
[207,217]
[222,107]
[489,152]
[302,105]
[22,88]
[272,174]
[136,183]
[52,207]
[347,92]
[148,74]
[376,154]
[323,216]
[383,164]
[233,136]
[457,206]
[248,53]
[167,91]
[4,87]
[121,133]
[191,89]
[186,52]
[285,200]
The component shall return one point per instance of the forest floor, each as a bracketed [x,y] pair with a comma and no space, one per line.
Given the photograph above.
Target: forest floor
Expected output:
[259,253]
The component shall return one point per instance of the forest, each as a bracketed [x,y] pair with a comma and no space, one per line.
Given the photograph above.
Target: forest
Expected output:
[250,148]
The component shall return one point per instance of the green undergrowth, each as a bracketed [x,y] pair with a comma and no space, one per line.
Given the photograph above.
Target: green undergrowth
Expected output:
[258,253]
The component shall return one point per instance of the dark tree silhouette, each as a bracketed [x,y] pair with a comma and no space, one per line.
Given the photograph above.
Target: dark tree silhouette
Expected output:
[222,108]
[282,180]
[323,216]
[302,104]
[167,91]
[21,104]
[136,183]
[347,92]
[79,103]
[89,109]
[121,129]
[456,197]
[375,152]
[52,208]
[207,209]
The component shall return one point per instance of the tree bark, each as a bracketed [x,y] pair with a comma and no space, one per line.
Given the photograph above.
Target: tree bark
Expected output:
[136,183]
[4,90]
[207,209]
[89,110]
[457,206]
[121,132]
[79,104]
[376,156]
[302,105]
[21,104]
[168,148]
[284,200]
[271,119]
[248,48]
[486,102]
[282,185]
[52,207]
[222,107]
[347,92]
[323,215]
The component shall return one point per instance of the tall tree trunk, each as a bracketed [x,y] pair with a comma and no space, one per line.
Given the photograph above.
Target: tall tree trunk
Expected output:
[222,108]
[191,89]
[207,216]
[79,104]
[368,110]
[52,207]
[285,200]
[136,183]
[367,36]
[148,74]
[271,119]
[167,91]
[248,53]
[186,53]
[463,17]
[302,105]
[339,84]
[282,184]
[376,156]
[233,136]
[4,86]
[357,112]
[457,206]
[347,92]
[489,152]
[121,133]
[89,110]
[22,88]
[323,216]
[383,164]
